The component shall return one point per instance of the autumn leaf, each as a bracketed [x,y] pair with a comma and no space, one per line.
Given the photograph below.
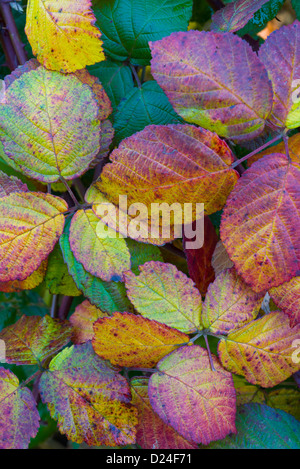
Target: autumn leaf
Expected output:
[30,282]
[62,34]
[199,259]
[229,303]
[10,184]
[106,257]
[293,146]
[32,339]
[260,223]
[30,224]
[82,320]
[152,432]
[287,298]
[129,340]
[281,57]
[215,81]
[19,417]
[235,15]
[163,293]
[89,398]
[49,126]
[172,164]
[220,259]
[262,350]
[197,402]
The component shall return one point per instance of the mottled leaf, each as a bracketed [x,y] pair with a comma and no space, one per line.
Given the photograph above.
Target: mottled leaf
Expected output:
[235,15]
[197,402]
[32,339]
[286,399]
[262,351]
[172,164]
[220,259]
[106,257]
[9,184]
[229,303]
[88,398]
[287,298]
[280,54]
[62,34]
[129,340]
[30,225]
[260,223]
[127,26]
[163,293]
[30,282]
[152,432]
[19,417]
[294,150]
[108,296]
[82,320]
[49,126]
[214,80]
[246,392]
[260,427]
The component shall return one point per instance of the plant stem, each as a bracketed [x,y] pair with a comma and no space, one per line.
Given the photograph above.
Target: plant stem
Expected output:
[76,203]
[135,75]
[31,378]
[8,18]
[209,353]
[286,145]
[53,306]
[65,307]
[258,150]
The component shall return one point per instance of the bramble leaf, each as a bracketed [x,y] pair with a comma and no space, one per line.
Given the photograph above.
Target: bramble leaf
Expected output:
[30,225]
[19,417]
[164,294]
[106,257]
[220,259]
[128,26]
[49,126]
[62,34]
[281,57]
[197,402]
[108,296]
[82,320]
[287,298]
[214,80]
[152,432]
[173,164]
[129,340]
[89,398]
[262,351]
[9,184]
[260,223]
[229,303]
[235,15]
[30,282]
[32,339]
[57,279]
[141,107]
[260,427]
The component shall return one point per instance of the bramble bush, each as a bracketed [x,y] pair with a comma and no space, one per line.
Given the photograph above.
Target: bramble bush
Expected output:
[110,336]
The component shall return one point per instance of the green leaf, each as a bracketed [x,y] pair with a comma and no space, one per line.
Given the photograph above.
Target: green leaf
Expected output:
[128,25]
[296,6]
[141,107]
[261,17]
[13,305]
[261,427]
[116,78]
[58,279]
[107,296]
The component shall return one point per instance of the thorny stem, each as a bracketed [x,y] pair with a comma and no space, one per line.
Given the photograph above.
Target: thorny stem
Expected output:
[258,150]
[8,18]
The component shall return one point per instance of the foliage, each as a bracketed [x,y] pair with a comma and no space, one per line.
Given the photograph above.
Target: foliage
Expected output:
[124,338]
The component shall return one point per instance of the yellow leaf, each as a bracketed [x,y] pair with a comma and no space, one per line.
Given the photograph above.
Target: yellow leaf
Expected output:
[62,34]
